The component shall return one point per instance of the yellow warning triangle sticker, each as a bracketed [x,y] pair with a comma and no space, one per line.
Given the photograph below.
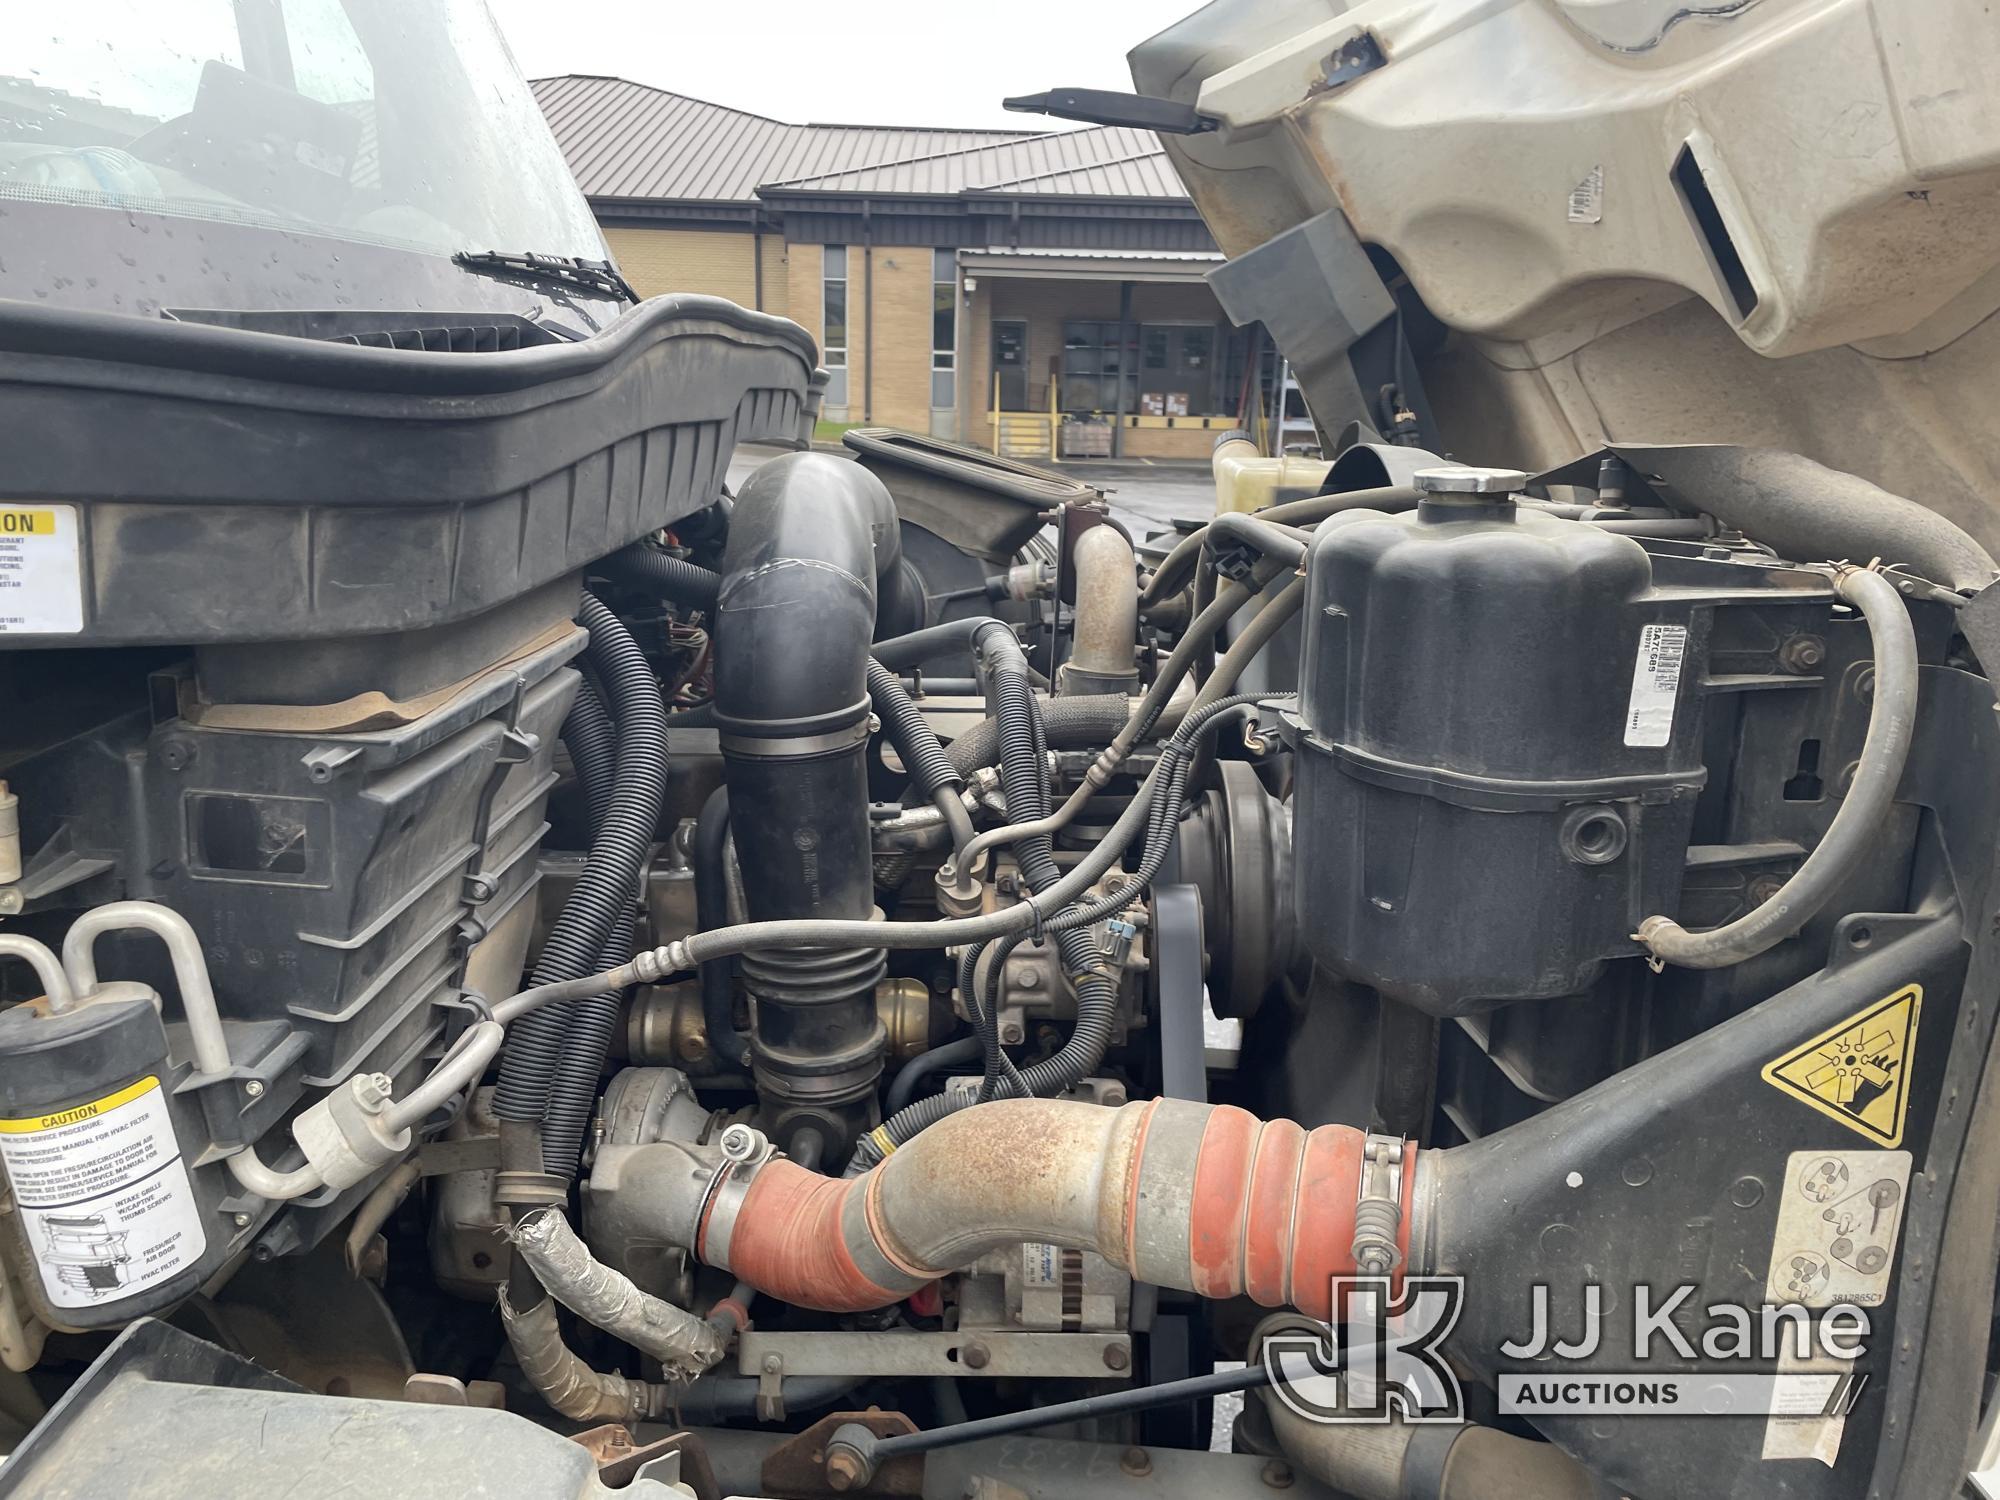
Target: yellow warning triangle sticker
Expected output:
[1859,1071]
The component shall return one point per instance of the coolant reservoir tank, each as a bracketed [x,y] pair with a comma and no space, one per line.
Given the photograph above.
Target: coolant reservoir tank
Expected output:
[1485,807]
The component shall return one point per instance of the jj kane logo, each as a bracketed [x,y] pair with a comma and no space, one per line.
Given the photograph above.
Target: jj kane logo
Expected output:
[1380,1358]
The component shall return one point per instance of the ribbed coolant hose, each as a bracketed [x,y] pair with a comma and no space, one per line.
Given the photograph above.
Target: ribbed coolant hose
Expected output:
[923,756]
[592,741]
[550,1070]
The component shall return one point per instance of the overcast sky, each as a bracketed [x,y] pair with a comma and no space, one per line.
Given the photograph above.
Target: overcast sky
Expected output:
[872,62]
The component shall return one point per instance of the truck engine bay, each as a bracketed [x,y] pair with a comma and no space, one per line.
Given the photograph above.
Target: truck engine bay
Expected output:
[530,969]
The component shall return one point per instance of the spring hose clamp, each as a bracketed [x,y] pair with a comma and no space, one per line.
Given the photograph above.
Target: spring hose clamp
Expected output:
[1378,1207]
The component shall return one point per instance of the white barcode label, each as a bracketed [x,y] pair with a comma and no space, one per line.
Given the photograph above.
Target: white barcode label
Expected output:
[1656,685]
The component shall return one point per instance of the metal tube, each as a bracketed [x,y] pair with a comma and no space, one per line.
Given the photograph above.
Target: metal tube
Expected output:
[1106,629]
[204,1019]
[48,968]
[375,1209]
[248,1168]
[463,1064]
[1110,1404]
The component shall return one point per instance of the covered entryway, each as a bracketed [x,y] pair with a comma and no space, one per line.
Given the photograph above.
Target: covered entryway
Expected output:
[1103,354]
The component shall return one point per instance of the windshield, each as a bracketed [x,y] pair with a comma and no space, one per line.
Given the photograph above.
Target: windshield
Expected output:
[388,122]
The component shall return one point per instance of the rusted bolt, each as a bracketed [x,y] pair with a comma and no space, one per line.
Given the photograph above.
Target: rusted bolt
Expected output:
[1277,1474]
[844,1469]
[1802,653]
[975,1356]
[1763,888]
[1116,1357]
[1137,1462]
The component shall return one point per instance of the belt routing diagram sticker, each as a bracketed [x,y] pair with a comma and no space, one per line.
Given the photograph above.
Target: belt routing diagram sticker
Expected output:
[1838,1219]
[1656,686]
[1859,1071]
[103,1195]
[41,572]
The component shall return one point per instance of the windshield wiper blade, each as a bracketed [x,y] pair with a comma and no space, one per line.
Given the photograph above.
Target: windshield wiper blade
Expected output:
[599,276]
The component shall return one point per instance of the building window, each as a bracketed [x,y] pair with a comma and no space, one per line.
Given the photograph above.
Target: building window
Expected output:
[944,328]
[1094,362]
[1177,374]
[833,321]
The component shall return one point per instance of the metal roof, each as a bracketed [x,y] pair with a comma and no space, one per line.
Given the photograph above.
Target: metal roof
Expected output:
[628,140]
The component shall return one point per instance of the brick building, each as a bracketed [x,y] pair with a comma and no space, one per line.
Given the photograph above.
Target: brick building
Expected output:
[1059,274]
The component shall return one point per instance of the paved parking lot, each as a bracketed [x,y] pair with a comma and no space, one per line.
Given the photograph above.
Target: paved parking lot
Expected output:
[1150,497]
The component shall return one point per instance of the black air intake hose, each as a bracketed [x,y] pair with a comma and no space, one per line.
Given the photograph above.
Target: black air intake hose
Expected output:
[809,538]
[711,910]
[651,570]
[547,1066]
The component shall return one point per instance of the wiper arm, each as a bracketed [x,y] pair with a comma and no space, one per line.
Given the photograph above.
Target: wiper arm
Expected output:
[599,276]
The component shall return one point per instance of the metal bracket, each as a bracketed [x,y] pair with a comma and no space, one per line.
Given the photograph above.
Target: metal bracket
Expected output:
[971,1353]
[1354,58]
[770,1387]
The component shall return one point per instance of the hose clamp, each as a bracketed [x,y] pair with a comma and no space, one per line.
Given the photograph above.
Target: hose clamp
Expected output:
[795,746]
[1378,1207]
[744,1151]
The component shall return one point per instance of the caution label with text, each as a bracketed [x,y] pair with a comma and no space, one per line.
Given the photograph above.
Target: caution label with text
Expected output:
[104,1195]
[41,570]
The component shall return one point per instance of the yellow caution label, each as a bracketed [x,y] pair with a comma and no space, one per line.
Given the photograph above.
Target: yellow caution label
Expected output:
[77,1112]
[1859,1071]
[18,522]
